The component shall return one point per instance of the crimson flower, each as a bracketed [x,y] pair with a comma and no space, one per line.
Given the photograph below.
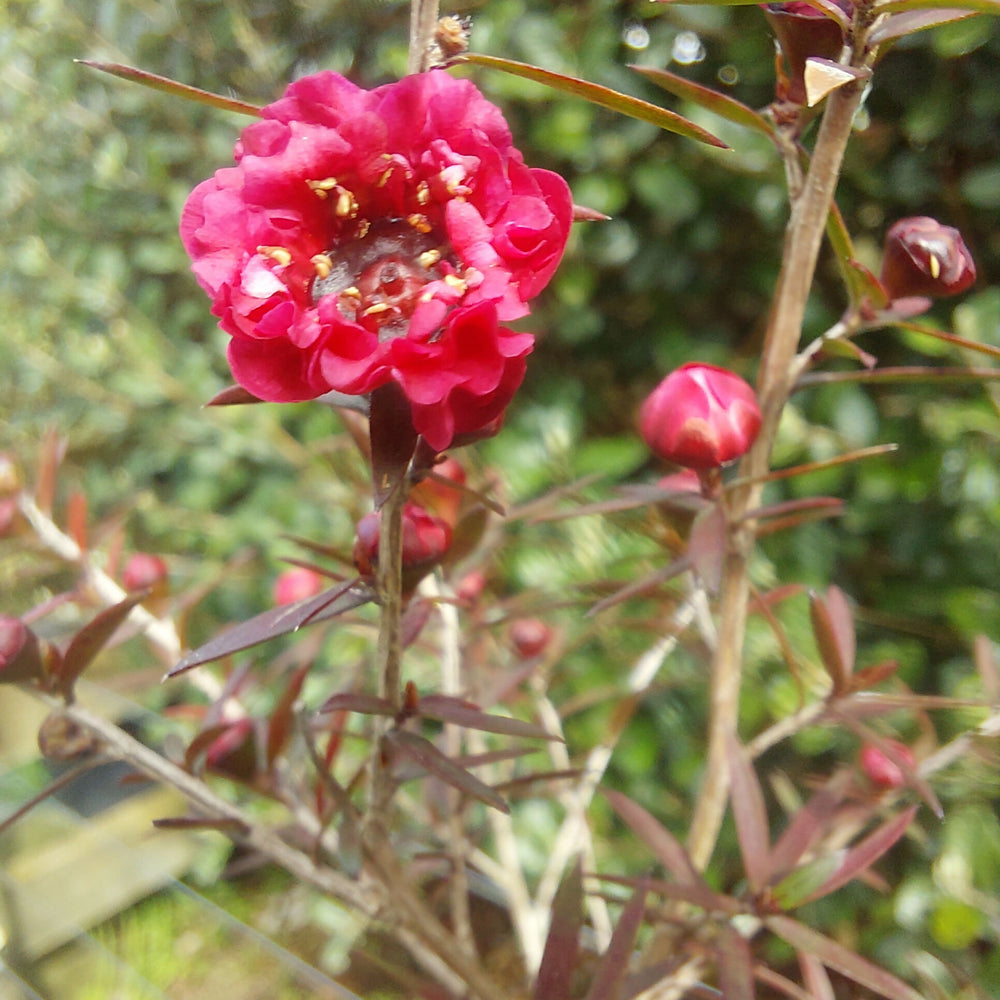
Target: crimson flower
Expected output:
[922,257]
[700,416]
[372,236]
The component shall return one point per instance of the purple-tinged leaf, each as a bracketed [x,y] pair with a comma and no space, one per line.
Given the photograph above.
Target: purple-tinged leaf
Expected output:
[806,825]
[709,3]
[227,824]
[823,507]
[202,741]
[948,338]
[610,974]
[864,854]
[916,20]
[699,895]
[750,816]
[174,88]
[815,977]
[835,956]
[643,586]
[791,507]
[707,546]
[583,214]
[234,395]
[735,965]
[469,716]
[848,349]
[393,440]
[355,701]
[434,762]
[524,781]
[873,675]
[834,635]
[90,640]
[665,846]
[280,721]
[278,621]
[494,756]
[782,984]
[707,98]
[827,463]
[602,96]
[563,942]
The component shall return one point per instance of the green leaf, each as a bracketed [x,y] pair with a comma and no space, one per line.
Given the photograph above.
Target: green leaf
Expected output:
[174,88]
[605,97]
[711,100]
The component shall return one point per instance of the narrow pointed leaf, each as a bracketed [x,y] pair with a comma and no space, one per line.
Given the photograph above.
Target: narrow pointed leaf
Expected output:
[979,6]
[835,648]
[835,956]
[806,825]
[815,977]
[234,395]
[563,942]
[949,338]
[225,823]
[916,20]
[707,546]
[434,762]
[794,889]
[902,374]
[750,816]
[605,97]
[699,895]
[610,974]
[355,701]
[735,966]
[465,714]
[91,639]
[279,723]
[665,846]
[647,583]
[867,852]
[986,664]
[278,621]
[174,88]
[711,100]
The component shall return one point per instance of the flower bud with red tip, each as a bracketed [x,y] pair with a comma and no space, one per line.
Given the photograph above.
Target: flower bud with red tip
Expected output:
[529,637]
[21,656]
[701,417]
[144,570]
[295,584]
[880,769]
[426,539]
[922,257]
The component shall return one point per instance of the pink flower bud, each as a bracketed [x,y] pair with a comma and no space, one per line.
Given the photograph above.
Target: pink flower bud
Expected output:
[20,652]
[882,771]
[924,258]
[144,570]
[295,584]
[425,541]
[700,416]
[529,637]
[471,586]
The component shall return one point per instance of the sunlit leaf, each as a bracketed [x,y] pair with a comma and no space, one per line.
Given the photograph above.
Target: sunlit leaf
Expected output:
[705,97]
[174,88]
[835,956]
[978,6]
[605,97]
[278,621]
[907,23]
[91,639]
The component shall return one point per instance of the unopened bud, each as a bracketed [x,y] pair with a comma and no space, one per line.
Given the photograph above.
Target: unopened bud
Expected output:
[880,769]
[924,258]
[297,583]
[529,637]
[426,539]
[21,656]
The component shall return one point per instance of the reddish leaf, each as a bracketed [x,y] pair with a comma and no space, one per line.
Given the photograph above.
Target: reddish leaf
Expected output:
[393,439]
[642,586]
[807,823]
[699,895]
[948,338]
[463,713]
[602,96]
[833,629]
[815,977]
[363,704]
[90,640]
[563,942]
[668,849]
[872,676]
[234,395]
[202,742]
[750,815]
[432,760]
[835,956]
[707,98]
[173,87]
[76,519]
[610,974]
[735,965]
[867,852]
[50,455]
[278,621]
[279,723]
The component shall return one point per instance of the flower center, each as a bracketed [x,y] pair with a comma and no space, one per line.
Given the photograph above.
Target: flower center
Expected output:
[379,276]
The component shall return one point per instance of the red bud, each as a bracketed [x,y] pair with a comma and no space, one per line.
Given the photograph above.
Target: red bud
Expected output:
[296,583]
[924,258]
[880,769]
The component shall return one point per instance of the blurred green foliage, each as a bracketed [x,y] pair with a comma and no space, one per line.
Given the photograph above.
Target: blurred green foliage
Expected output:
[108,339]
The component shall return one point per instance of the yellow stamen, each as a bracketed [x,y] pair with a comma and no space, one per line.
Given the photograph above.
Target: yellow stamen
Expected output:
[935,266]
[429,258]
[279,255]
[362,228]
[454,281]
[379,307]
[347,204]
[321,188]
[419,222]
[423,193]
[322,263]
[351,292]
